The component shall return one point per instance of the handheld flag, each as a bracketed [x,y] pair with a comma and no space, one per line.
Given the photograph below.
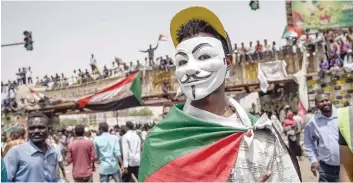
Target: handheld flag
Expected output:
[291,32]
[162,37]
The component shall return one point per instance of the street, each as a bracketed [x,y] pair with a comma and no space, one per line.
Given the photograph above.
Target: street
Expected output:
[307,176]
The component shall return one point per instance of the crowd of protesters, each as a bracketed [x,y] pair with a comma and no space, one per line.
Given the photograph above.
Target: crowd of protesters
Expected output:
[82,76]
[332,48]
[115,149]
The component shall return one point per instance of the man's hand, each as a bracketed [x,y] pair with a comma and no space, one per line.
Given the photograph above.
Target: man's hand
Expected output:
[314,167]
[264,177]
[125,171]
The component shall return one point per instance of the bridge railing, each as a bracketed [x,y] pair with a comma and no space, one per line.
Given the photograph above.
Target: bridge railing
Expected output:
[158,81]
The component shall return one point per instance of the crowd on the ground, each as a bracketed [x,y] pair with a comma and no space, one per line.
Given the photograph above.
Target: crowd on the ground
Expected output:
[322,137]
[116,150]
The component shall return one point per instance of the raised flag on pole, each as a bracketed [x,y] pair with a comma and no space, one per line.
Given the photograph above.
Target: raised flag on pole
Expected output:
[124,93]
[162,37]
[291,32]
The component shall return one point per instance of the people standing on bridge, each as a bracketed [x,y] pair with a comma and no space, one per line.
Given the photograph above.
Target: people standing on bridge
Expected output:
[19,77]
[203,52]
[82,155]
[320,140]
[150,52]
[345,124]
[29,76]
[131,144]
[93,63]
[35,160]
[108,153]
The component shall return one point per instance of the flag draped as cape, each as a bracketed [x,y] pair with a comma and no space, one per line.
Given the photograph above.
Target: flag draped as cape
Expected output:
[182,148]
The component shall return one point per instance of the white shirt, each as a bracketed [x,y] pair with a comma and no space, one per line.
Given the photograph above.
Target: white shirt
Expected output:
[231,121]
[131,144]
[143,135]
[29,73]
[299,121]
[251,50]
[4,94]
[93,61]
[12,94]
[58,149]
[255,158]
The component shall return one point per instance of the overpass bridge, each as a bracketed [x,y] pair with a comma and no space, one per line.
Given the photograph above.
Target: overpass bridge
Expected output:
[242,79]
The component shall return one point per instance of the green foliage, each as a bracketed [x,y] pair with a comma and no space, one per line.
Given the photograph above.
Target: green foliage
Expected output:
[68,122]
[142,112]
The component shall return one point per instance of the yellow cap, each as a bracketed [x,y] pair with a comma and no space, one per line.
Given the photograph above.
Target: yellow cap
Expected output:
[195,12]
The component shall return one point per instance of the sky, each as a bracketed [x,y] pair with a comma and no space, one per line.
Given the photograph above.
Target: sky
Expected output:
[65,34]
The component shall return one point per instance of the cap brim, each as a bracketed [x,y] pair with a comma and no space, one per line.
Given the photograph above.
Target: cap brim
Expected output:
[195,12]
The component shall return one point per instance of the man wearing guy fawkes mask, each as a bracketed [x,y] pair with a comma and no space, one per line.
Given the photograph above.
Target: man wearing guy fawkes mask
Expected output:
[210,138]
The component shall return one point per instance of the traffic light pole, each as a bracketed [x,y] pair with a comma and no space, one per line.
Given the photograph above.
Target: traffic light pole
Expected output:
[13,44]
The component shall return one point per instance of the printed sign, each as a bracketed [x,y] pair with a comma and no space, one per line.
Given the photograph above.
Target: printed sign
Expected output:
[322,14]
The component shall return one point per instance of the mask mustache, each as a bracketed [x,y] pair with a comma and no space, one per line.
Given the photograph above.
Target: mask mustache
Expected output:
[194,76]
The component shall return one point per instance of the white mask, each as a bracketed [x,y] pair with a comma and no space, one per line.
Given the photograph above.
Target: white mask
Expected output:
[200,66]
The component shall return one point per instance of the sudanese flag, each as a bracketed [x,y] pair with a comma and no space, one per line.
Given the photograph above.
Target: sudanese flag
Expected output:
[124,93]
[182,148]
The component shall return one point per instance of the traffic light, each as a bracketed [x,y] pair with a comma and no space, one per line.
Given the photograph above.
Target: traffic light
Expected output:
[28,40]
[254,5]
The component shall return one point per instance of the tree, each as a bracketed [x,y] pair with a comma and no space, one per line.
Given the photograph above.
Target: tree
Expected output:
[142,112]
[68,122]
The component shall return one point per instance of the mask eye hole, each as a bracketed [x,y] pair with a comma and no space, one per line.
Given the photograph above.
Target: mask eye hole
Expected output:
[182,62]
[204,57]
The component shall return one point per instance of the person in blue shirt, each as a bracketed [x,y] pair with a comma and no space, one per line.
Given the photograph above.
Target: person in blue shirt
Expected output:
[108,153]
[35,160]
[3,171]
[320,140]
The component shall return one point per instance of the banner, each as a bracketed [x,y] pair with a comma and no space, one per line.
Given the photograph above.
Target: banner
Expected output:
[322,14]
[159,79]
[271,71]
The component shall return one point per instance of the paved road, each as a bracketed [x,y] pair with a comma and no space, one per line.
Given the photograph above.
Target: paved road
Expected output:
[307,176]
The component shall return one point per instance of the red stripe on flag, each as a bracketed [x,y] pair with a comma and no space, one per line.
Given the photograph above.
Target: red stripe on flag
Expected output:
[212,163]
[32,91]
[84,101]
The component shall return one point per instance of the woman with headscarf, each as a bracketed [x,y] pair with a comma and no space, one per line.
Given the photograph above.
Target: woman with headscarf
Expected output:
[292,131]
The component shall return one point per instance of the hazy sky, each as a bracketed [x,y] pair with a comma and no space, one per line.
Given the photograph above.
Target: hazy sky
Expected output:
[66,33]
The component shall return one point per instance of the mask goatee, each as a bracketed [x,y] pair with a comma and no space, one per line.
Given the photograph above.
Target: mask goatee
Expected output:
[193,91]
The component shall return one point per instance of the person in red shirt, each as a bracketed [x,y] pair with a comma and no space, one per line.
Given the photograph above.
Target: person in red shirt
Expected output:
[259,50]
[82,155]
